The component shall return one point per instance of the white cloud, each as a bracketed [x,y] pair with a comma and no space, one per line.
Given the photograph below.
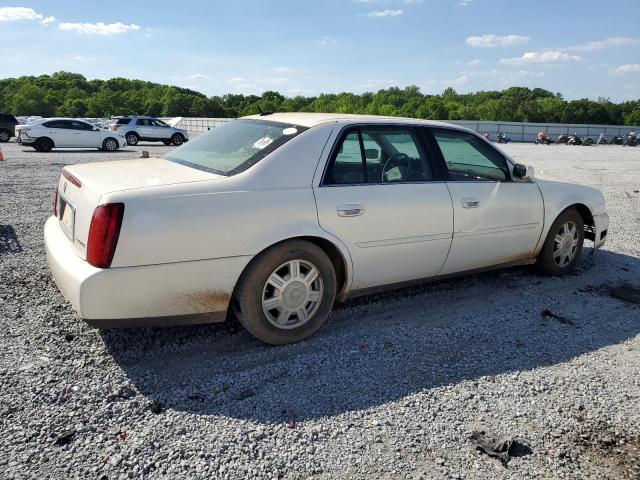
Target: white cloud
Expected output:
[80,58]
[236,79]
[602,44]
[14,14]
[629,68]
[474,62]
[100,28]
[541,57]
[198,76]
[465,3]
[385,13]
[491,40]
[327,41]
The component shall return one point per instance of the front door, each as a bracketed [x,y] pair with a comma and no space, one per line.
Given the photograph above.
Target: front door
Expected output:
[380,196]
[85,135]
[497,219]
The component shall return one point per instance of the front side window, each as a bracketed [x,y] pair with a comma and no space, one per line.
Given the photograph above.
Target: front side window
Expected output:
[469,158]
[379,155]
[234,146]
[159,123]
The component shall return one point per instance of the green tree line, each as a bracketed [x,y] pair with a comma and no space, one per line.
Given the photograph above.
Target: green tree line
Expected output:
[72,95]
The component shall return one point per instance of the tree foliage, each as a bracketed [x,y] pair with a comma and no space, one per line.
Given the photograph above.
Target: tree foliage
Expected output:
[71,94]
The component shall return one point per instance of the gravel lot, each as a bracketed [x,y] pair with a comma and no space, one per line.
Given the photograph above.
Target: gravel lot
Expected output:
[391,387]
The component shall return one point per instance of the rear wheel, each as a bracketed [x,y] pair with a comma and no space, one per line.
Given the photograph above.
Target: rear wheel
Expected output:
[132,138]
[110,145]
[44,145]
[177,139]
[5,135]
[562,248]
[286,293]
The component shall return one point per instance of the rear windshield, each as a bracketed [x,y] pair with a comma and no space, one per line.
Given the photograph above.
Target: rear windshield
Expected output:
[123,121]
[7,117]
[234,146]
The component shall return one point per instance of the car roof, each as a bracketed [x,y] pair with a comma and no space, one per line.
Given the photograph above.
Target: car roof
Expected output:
[313,119]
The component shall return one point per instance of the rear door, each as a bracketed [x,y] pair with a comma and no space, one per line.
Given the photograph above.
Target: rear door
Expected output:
[497,219]
[60,131]
[84,135]
[145,128]
[381,196]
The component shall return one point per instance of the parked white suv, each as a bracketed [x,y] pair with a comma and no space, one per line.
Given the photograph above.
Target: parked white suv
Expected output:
[68,133]
[136,128]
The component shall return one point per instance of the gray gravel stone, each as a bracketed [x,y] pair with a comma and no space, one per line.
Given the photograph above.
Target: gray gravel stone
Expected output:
[391,387]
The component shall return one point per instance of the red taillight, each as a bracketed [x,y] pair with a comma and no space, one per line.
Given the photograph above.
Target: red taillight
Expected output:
[72,179]
[55,203]
[103,234]
[116,126]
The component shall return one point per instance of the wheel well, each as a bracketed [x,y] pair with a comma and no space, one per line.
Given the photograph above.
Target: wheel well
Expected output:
[587,218]
[132,132]
[336,257]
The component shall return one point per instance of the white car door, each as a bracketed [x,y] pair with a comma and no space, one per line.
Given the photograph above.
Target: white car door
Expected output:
[380,196]
[85,135]
[161,129]
[497,219]
[145,128]
[59,131]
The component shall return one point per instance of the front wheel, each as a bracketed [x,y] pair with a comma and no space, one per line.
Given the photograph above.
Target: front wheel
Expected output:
[177,139]
[110,145]
[562,248]
[286,293]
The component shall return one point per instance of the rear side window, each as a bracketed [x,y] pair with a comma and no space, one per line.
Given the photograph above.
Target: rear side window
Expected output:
[58,124]
[76,125]
[143,122]
[123,121]
[469,158]
[379,155]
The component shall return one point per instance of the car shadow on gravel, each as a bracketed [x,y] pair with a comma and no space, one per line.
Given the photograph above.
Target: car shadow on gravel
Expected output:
[9,242]
[382,348]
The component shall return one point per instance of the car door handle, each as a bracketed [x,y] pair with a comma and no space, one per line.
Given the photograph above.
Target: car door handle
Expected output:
[350,210]
[470,203]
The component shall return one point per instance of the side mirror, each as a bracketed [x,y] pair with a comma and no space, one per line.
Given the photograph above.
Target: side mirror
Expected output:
[371,154]
[523,172]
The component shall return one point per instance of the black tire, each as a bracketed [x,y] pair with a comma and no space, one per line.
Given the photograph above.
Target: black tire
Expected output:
[546,262]
[44,144]
[132,138]
[177,139]
[166,142]
[253,284]
[110,144]
[5,135]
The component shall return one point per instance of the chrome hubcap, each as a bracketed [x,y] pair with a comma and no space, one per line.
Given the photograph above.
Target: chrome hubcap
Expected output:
[292,294]
[111,145]
[565,244]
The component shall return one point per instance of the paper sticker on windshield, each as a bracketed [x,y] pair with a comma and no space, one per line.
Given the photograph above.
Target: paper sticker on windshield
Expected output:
[263,142]
[289,131]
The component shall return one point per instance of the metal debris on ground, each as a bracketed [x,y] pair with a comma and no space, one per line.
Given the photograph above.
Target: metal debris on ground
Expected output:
[502,447]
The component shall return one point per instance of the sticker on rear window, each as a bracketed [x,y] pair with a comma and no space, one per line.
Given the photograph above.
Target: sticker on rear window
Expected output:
[263,142]
[289,131]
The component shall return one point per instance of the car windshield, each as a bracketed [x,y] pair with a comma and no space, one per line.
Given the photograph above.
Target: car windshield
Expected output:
[234,146]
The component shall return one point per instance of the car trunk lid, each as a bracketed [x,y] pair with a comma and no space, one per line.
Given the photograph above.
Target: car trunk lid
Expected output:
[81,187]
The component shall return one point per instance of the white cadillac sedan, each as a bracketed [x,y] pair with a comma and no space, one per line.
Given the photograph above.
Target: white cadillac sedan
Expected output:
[274,217]
[50,133]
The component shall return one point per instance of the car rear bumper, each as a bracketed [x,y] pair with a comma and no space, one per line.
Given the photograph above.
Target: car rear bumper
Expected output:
[165,294]
[601,227]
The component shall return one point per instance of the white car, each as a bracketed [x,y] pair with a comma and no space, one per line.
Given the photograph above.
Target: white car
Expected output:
[68,133]
[275,217]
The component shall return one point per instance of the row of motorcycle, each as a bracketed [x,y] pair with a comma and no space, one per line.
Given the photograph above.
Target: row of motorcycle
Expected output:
[631,139]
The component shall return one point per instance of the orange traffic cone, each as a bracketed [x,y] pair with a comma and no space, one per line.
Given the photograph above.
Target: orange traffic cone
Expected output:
[1,156]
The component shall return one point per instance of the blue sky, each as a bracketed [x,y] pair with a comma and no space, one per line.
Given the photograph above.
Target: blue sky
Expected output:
[582,48]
